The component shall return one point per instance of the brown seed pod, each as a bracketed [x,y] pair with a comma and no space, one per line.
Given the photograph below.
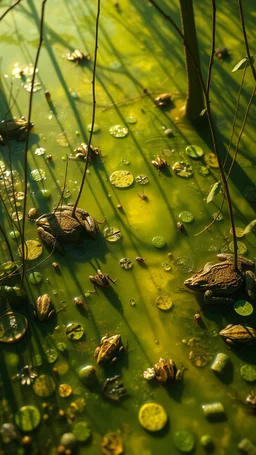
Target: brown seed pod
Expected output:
[26,441]
[119,207]
[180,226]
[140,259]
[55,265]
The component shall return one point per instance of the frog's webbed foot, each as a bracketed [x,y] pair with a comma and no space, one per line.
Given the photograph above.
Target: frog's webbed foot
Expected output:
[250,284]
[209,297]
[50,240]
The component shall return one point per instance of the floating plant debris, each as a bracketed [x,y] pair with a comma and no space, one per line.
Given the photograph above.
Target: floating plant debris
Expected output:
[186,217]
[239,232]
[39,151]
[121,179]
[152,417]
[7,268]
[51,355]
[159,242]
[44,386]
[32,250]
[203,170]
[248,373]
[118,131]
[65,390]
[2,167]
[164,302]
[184,441]
[37,175]
[35,278]
[125,263]
[211,160]
[182,169]
[28,86]
[243,308]
[112,234]
[17,216]
[27,418]
[112,444]
[194,151]
[13,327]
[142,179]
[74,331]
[217,216]
[82,431]
[241,247]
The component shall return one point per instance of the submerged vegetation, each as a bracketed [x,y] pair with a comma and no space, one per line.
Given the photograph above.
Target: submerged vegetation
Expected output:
[127,167]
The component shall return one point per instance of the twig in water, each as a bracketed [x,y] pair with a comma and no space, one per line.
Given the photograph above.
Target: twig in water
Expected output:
[9,9]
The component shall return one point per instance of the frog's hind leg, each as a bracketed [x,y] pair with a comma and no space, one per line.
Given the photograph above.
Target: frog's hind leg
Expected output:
[50,240]
[209,298]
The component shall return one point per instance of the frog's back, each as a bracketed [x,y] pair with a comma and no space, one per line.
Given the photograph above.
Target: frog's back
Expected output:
[225,279]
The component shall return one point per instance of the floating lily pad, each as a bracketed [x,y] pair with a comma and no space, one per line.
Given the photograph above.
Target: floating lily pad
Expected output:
[125,263]
[37,360]
[121,179]
[184,441]
[239,232]
[44,386]
[7,268]
[186,217]
[184,264]
[82,431]
[217,216]
[96,128]
[13,327]
[74,331]
[65,390]
[130,119]
[37,175]
[152,417]
[62,347]
[19,195]
[32,250]
[142,179]
[17,216]
[159,242]
[241,247]
[194,151]
[211,160]
[112,234]
[243,308]
[112,444]
[51,355]
[27,418]
[164,302]
[248,373]
[118,131]
[14,235]
[182,169]
[35,278]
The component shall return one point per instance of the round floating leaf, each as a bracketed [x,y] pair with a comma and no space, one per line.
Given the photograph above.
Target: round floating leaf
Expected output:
[184,264]
[182,169]
[65,390]
[118,131]
[248,373]
[46,194]
[152,417]
[217,216]
[159,242]
[186,217]
[239,232]
[125,263]
[184,441]
[7,268]
[27,418]
[74,331]
[194,151]
[241,247]
[13,327]
[32,249]
[112,234]
[51,355]
[211,160]
[96,128]
[130,119]
[164,302]
[121,179]
[44,386]
[17,216]
[14,235]
[82,431]
[37,175]
[35,278]
[243,308]
[142,179]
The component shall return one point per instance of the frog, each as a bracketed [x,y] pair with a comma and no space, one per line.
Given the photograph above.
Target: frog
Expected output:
[108,349]
[81,152]
[44,308]
[101,279]
[219,281]
[159,163]
[78,56]
[15,128]
[164,99]
[164,371]
[238,334]
[60,226]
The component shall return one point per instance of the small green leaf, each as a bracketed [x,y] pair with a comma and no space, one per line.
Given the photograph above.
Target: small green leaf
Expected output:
[251,227]
[215,189]
[243,308]
[244,63]
[202,112]
[248,373]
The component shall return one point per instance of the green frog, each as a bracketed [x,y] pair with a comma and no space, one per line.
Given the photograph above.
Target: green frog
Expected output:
[44,308]
[220,280]
[235,334]
[108,349]
[164,371]
[15,128]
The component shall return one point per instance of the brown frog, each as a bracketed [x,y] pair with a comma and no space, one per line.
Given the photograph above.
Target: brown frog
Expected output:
[159,163]
[44,308]
[60,226]
[15,128]
[78,56]
[108,349]
[164,371]
[235,334]
[220,280]
[101,279]
[163,100]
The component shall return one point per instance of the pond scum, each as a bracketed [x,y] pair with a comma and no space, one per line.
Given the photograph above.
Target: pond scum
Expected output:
[127,294]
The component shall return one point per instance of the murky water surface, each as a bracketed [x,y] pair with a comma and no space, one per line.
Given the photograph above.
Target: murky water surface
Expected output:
[137,51]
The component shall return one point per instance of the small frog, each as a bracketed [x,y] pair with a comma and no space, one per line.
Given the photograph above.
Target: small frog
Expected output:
[235,334]
[15,128]
[159,163]
[164,371]
[101,279]
[163,100]
[81,152]
[220,280]
[221,53]
[44,308]
[108,349]
[78,56]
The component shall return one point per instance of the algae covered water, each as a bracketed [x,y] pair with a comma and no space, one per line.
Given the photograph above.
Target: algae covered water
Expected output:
[146,186]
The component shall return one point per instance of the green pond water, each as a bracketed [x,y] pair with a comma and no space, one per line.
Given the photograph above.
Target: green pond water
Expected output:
[137,50]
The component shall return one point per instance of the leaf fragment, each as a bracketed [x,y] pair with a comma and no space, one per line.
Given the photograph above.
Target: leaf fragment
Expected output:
[215,189]
[244,63]
[251,227]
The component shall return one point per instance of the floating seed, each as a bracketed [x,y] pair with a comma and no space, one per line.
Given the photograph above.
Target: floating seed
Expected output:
[130,119]
[14,235]
[35,278]
[74,331]
[96,128]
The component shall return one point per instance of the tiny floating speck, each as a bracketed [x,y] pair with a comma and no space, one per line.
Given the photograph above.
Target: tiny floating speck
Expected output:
[118,131]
